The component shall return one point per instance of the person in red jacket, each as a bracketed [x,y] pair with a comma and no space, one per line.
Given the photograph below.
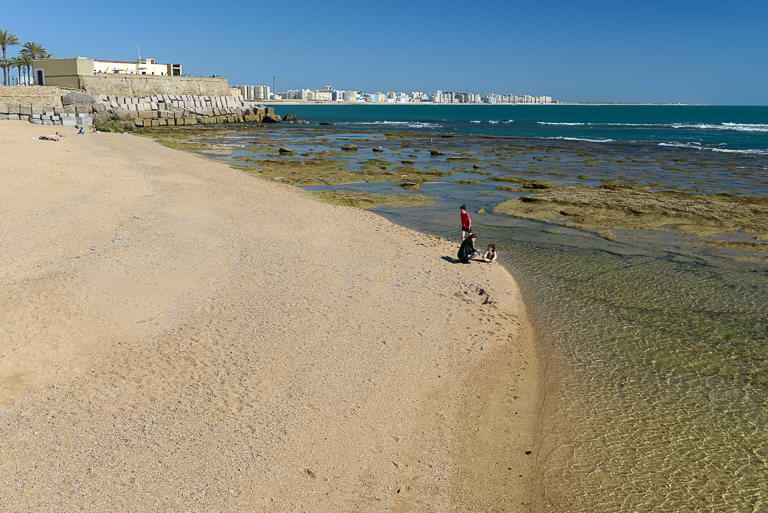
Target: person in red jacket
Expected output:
[466,222]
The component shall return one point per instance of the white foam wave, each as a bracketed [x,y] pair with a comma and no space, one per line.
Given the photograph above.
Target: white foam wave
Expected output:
[409,124]
[583,139]
[492,122]
[476,121]
[699,147]
[694,146]
[738,127]
[747,152]
[559,123]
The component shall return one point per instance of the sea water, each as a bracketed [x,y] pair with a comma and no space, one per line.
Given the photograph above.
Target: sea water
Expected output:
[655,347]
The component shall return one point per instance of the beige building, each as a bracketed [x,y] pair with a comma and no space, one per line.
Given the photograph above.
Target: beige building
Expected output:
[67,72]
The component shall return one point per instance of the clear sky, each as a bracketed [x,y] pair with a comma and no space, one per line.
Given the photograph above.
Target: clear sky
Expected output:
[621,50]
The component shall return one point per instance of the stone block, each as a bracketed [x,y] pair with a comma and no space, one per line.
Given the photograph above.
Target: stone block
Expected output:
[25,109]
[37,121]
[77,98]
[68,121]
[3,108]
[47,122]
[83,109]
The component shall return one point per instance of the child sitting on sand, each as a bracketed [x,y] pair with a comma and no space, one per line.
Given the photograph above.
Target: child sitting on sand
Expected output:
[490,254]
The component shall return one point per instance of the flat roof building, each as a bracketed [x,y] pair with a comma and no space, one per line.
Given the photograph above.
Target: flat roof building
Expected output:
[66,72]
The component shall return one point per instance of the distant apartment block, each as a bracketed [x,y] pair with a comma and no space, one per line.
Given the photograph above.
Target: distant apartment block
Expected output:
[255,92]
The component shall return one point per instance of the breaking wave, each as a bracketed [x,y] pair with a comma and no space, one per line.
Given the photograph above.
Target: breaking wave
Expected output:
[699,147]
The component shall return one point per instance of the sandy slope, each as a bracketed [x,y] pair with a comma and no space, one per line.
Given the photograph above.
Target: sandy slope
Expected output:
[179,336]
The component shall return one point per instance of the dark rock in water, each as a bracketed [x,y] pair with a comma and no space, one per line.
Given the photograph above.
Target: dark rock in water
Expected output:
[527,199]
[290,118]
[409,185]
[377,149]
[535,185]
[435,153]
[477,166]
[324,123]
[270,116]
[284,151]
[349,147]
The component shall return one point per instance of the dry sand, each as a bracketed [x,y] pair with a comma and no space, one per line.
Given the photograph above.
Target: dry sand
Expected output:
[177,335]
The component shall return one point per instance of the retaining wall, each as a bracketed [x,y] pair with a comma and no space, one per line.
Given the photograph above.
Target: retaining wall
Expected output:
[146,85]
[36,96]
[76,108]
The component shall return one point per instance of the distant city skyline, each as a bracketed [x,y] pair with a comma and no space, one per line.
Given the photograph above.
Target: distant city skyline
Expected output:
[601,51]
[329,94]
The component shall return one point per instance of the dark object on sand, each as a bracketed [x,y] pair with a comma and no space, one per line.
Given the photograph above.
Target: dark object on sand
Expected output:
[349,147]
[284,151]
[435,153]
[467,249]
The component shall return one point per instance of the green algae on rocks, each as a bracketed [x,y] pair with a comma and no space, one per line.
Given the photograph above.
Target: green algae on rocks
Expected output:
[368,200]
[614,206]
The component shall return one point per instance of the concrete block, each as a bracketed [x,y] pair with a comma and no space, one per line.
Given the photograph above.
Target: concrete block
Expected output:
[69,121]
[47,122]
[3,108]
[36,121]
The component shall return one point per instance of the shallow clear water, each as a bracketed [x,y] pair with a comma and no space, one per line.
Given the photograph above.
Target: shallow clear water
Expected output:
[656,348]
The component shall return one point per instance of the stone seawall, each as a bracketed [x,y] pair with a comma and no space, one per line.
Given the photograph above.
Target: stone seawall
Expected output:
[147,85]
[36,96]
[129,112]
[174,110]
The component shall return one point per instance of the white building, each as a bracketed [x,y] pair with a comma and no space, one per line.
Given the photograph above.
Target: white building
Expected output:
[138,67]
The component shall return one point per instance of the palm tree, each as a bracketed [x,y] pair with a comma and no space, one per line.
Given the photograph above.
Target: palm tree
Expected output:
[26,61]
[36,50]
[16,62]
[6,39]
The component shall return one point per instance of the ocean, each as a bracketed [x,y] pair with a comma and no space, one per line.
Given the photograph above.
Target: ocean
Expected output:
[700,128]
[654,344]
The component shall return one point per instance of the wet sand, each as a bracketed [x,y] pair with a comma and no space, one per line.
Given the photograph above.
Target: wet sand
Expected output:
[178,335]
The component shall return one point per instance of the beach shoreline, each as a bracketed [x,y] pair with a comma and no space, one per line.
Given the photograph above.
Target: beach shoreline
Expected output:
[182,335]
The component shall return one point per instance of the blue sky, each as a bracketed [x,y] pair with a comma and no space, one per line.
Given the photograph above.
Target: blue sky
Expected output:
[656,51]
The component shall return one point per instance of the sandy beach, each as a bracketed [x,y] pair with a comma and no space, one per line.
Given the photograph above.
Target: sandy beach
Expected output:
[178,335]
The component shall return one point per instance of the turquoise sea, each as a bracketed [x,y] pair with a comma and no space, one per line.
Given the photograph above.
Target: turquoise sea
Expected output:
[655,345]
[702,128]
